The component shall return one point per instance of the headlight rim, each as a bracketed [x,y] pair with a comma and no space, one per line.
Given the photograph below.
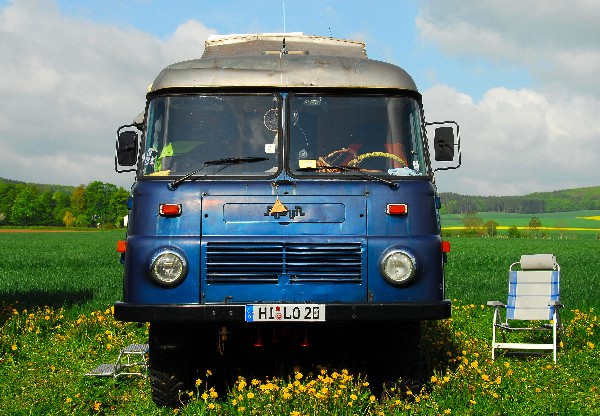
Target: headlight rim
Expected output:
[184,267]
[411,276]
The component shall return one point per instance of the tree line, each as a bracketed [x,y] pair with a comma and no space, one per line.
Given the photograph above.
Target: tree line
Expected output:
[96,205]
[577,199]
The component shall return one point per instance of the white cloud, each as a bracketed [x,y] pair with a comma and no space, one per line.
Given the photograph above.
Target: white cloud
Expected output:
[519,141]
[68,83]
[544,137]
[556,41]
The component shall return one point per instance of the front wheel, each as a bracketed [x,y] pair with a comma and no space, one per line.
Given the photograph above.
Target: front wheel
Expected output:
[168,366]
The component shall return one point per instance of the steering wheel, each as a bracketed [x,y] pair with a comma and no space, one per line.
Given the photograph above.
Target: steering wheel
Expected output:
[358,159]
[324,161]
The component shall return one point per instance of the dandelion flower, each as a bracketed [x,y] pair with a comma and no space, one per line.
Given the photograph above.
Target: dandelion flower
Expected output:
[198,382]
[250,395]
[14,347]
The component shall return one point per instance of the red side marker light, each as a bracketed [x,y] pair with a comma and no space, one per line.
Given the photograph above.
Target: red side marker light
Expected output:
[121,246]
[396,209]
[169,210]
[445,246]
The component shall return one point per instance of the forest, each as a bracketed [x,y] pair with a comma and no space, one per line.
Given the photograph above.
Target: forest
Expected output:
[103,205]
[97,205]
[535,203]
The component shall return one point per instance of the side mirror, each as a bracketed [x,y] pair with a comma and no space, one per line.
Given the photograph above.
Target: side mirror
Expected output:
[444,144]
[126,149]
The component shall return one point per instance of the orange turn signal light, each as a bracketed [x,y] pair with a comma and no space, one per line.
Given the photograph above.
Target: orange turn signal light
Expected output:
[169,210]
[121,246]
[445,246]
[396,209]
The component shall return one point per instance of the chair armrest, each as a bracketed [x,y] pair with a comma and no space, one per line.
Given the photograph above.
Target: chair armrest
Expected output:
[495,303]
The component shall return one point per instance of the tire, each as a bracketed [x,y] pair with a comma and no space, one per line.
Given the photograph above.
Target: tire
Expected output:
[168,366]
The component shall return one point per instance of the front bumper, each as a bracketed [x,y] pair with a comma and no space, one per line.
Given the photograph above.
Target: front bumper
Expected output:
[352,312]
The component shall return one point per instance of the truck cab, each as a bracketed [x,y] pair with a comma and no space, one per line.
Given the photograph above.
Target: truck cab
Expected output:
[284,204]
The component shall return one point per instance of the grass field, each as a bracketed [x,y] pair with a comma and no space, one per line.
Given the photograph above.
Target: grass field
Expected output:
[56,290]
[584,224]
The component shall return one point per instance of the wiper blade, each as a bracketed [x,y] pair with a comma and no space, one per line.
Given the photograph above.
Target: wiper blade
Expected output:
[225,162]
[236,160]
[356,171]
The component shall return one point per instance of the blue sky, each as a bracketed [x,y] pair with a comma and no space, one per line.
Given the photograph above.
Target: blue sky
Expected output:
[519,76]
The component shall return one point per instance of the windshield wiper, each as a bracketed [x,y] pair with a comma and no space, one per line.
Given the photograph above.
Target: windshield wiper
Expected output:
[356,171]
[224,162]
[236,160]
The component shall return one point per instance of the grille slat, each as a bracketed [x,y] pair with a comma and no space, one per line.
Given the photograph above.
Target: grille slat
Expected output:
[300,262]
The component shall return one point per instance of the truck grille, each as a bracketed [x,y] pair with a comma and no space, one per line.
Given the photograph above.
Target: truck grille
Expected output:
[298,262]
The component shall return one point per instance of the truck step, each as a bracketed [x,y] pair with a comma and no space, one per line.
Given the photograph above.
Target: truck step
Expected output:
[132,361]
[104,370]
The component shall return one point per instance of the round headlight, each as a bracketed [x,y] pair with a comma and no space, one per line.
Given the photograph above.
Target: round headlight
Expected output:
[168,268]
[398,267]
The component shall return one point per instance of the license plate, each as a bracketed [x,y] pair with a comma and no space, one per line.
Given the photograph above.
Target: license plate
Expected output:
[288,312]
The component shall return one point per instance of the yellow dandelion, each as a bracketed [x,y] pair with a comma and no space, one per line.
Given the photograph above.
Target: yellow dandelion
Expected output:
[447,411]
[208,373]
[498,380]
[434,379]
[372,398]
[204,396]
[14,347]
[211,406]
[213,394]
[353,397]
[590,344]
[198,382]
[250,395]
[97,406]
[299,376]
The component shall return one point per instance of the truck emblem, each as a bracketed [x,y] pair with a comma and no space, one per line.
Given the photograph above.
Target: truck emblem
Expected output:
[278,210]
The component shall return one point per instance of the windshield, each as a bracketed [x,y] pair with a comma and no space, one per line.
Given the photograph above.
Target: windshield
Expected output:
[373,133]
[222,134]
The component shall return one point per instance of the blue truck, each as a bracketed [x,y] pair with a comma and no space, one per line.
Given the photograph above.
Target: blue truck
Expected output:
[284,208]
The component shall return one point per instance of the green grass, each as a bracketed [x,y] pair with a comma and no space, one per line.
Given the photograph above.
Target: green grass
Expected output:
[77,270]
[46,350]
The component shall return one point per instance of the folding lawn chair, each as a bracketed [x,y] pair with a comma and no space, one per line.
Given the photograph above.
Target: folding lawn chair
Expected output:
[533,295]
